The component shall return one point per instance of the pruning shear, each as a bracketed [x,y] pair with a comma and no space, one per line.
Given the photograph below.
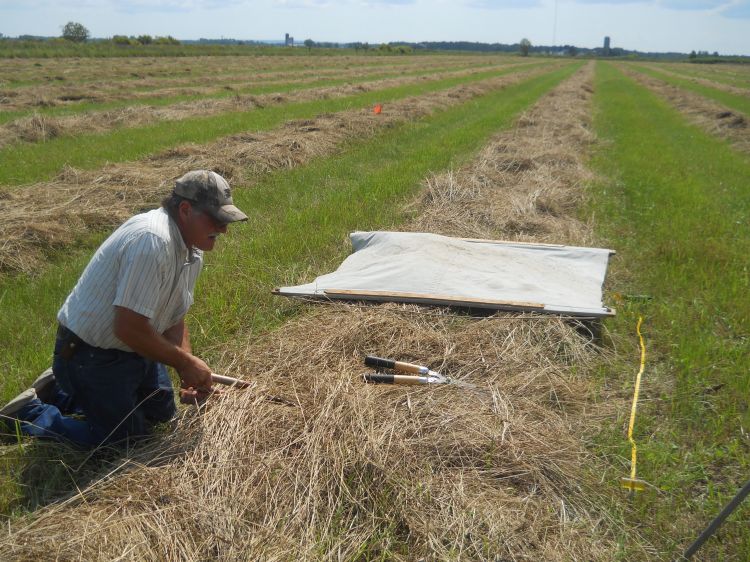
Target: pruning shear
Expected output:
[418,374]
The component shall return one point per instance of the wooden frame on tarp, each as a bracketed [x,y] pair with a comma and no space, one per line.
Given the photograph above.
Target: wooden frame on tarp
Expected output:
[389,266]
[440,300]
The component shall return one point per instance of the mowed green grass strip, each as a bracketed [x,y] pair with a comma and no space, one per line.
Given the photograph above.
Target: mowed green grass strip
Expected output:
[280,87]
[723,76]
[27,163]
[298,227]
[734,101]
[676,207]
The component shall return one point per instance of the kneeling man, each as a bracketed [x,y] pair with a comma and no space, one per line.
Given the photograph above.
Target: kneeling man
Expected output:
[125,320]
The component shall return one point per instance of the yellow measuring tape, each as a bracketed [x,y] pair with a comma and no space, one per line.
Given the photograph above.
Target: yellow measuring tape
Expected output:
[632,483]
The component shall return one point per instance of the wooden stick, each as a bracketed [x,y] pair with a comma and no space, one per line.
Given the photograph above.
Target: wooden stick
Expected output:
[384,378]
[239,383]
[229,381]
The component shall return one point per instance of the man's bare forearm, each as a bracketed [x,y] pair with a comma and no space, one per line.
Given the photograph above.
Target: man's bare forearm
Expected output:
[179,336]
[136,332]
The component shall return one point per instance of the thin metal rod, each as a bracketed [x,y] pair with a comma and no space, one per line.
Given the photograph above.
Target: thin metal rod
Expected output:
[716,523]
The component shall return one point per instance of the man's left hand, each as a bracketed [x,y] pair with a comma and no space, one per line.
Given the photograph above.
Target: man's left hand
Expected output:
[197,396]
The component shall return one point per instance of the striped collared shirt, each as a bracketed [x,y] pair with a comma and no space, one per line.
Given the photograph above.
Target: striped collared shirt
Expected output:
[144,266]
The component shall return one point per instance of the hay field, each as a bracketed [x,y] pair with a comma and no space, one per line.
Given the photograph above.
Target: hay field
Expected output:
[523,468]
[725,118]
[735,76]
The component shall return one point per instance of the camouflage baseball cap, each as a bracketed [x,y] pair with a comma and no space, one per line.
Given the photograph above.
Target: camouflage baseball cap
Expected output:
[210,193]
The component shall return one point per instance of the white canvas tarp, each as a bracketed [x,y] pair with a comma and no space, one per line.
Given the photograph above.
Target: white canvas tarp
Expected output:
[433,269]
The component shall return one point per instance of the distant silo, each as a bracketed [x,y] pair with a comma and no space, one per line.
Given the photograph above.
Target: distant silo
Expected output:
[606,46]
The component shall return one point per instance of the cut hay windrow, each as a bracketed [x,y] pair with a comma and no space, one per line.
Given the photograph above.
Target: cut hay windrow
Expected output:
[26,163]
[17,72]
[716,85]
[205,82]
[49,101]
[732,74]
[537,173]
[57,213]
[353,471]
[139,72]
[39,128]
[713,117]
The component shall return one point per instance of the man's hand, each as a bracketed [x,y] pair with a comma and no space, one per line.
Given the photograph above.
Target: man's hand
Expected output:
[194,373]
[197,397]
[196,393]
[172,348]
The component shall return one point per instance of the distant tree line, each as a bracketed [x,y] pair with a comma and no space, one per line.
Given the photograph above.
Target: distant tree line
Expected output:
[703,57]
[526,49]
[124,40]
[383,48]
[77,33]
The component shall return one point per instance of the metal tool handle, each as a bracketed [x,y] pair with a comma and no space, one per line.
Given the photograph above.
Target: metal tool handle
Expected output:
[384,378]
[380,363]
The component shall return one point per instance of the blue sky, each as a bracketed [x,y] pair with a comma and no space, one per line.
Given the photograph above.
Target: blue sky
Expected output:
[645,25]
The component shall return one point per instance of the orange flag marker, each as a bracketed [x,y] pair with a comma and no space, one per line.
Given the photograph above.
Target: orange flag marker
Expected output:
[378,109]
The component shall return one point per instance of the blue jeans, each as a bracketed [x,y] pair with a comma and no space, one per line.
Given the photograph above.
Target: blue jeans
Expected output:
[121,394]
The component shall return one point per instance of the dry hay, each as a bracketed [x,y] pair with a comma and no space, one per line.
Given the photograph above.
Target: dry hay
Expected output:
[201,81]
[527,182]
[45,78]
[50,215]
[355,471]
[716,119]
[704,82]
[738,72]
[38,127]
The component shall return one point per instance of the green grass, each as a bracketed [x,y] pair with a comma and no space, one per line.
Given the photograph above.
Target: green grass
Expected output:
[26,163]
[734,101]
[298,227]
[59,48]
[160,101]
[722,76]
[676,207]
[199,69]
